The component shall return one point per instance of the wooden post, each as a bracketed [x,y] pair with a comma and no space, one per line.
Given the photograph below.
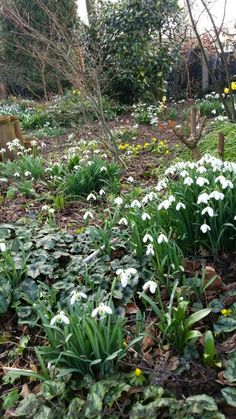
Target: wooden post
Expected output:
[7,133]
[221,145]
[17,127]
[205,72]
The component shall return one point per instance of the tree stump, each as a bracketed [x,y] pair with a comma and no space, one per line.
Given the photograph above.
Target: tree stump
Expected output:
[17,127]
[7,133]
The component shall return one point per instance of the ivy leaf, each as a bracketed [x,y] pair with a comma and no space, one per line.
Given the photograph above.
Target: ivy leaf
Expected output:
[28,406]
[229,394]
[225,325]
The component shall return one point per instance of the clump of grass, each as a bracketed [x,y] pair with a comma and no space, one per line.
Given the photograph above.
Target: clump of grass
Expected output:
[208,143]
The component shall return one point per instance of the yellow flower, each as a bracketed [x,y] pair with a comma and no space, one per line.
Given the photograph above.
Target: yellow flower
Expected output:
[146,144]
[226,312]
[226,90]
[137,372]
[233,85]
[124,344]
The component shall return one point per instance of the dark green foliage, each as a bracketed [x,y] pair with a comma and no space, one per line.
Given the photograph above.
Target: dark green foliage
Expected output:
[130,35]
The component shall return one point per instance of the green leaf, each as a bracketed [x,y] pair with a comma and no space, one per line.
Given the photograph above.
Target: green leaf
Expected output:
[230,372]
[75,408]
[229,394]
[225,325]
[10,399]
[196,317]
[28,406]
[193,334]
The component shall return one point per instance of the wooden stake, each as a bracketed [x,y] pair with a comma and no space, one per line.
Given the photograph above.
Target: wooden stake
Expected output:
[221,145]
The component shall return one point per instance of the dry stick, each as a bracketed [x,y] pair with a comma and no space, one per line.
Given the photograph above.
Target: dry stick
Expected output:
[98,251]
[221,145]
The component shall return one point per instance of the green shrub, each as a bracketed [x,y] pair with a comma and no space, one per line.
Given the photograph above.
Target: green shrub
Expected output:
[91,176]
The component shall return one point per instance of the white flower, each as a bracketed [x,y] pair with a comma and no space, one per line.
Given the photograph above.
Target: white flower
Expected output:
[27,174]
[202,181]
[150,250]
[164,204]
[162,238]
[205,227]
[180,205]
[91,196]
[146,216]
[130,179]
[118,201]
[151,285]
[123,221]
[227,184]
[70,137]
[218,196]
[102,192]
[171,199]
[16,174]
[51,211]
[203,198]
[213,111]
[3,150]
[183,173]
[87,215]
[60,318]
[75,295]
[209,211]
[235,217]
[101,310]
[45,208]
[147,237]
[135,203]
[33,143]
[201,169]
[3,247]
[125,275]
[103,169]
[188,181]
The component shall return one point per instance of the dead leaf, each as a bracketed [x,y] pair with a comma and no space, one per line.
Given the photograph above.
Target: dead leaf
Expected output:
[25,391]
[210,272]
[222,380]
[147,342]
[228,346]
[131,308]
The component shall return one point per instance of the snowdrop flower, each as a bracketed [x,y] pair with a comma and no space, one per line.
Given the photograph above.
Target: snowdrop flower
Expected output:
[125,275]
[101,310]
[162,238]
[227,184]
[91,196]
[150,285]
[180,205]
[203,198]
[171,199]
[33,143]
[70,137]
[201,169]
[150,250]
[183,173]
[60,318]
[218,196]
[103,169]
[51,211]
[118,201]
[16,174]
[164,204]
[130,179]
[161,185]
[75,296]
[188,181]
[3,247]
[209,211]
[213,111]
[45,208]
[135,203]
[201,181]
[205,227]
[146,216]
[102,192]
[27,174]
[147,237]
[88,214]
[123,221]
[3,150]
[235,217]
